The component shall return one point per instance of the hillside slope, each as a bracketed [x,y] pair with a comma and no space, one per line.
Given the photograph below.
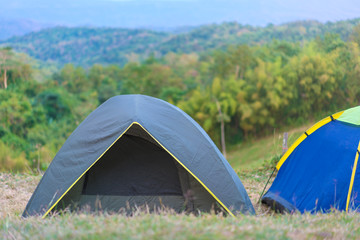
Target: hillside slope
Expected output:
[87,46]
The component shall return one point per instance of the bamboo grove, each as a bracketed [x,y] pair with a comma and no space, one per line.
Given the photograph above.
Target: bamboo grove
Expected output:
[246,91]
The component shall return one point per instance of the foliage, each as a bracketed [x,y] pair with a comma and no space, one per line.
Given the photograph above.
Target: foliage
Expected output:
[249,90]
[85,46]
[11,160]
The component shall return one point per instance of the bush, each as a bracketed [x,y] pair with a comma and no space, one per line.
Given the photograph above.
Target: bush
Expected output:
[10,160]
[271,163]
[55,103]
[41,157]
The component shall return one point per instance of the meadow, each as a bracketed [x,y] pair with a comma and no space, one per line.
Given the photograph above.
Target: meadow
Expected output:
[16,189]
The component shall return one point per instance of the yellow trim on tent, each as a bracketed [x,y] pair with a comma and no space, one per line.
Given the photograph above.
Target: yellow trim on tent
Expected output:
[290,150]
[85,172]
[212,194]
[49,210]
[303,136]
[352,177]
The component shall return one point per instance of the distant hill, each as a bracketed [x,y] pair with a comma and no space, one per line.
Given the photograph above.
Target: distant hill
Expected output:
[87,46]
[218,36]
[11,28]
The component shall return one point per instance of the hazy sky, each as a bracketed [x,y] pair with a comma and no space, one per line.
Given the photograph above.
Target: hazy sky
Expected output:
[173,13]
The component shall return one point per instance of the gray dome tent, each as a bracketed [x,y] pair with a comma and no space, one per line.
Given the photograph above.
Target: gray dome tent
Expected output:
[135,150]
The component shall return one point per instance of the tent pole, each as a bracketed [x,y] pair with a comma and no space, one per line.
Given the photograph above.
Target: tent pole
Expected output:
[266,184]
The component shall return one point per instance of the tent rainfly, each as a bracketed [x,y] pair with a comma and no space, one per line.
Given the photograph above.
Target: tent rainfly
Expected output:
[320,171]
[136,150]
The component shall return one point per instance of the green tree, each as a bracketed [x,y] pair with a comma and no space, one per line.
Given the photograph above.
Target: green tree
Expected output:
[233,62]
[18,114]
[6,63]
[355,35]
[316,82]
[149,78]
[74,79]
[225,106]
[349,63]
[263,96]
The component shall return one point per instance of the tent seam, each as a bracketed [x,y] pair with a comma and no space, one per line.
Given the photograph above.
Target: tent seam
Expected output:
[307,133]
[49,210]
[352,178]
[211,193]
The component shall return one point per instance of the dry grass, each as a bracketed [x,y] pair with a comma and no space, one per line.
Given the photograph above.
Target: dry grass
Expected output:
[16,189]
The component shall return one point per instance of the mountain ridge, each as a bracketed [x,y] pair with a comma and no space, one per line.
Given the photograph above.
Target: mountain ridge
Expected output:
[86,46]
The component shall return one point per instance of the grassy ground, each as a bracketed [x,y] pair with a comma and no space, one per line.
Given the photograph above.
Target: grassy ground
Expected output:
[16,189]
[252,154]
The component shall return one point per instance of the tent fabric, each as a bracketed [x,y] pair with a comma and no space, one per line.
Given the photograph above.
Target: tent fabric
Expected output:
[351,116]
[196,173]
[317,174]
[353,201]
[193,196]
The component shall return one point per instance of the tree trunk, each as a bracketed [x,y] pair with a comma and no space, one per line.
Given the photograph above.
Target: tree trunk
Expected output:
[5,78]
[242,75]
[223,145]
[222,128]
[237,72]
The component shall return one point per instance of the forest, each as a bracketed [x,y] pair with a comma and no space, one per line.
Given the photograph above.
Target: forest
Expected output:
[86,46]
[249,88]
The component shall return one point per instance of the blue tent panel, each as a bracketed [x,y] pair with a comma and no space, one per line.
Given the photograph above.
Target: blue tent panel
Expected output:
[316,176]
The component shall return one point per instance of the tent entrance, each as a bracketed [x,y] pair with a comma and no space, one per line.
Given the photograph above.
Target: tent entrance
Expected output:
[133,167]
[137,171]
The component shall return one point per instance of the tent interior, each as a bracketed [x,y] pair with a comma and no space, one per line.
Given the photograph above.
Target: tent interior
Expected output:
[135,172]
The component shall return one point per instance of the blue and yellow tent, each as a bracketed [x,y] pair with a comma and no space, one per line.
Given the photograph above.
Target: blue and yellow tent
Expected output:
[320,171]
